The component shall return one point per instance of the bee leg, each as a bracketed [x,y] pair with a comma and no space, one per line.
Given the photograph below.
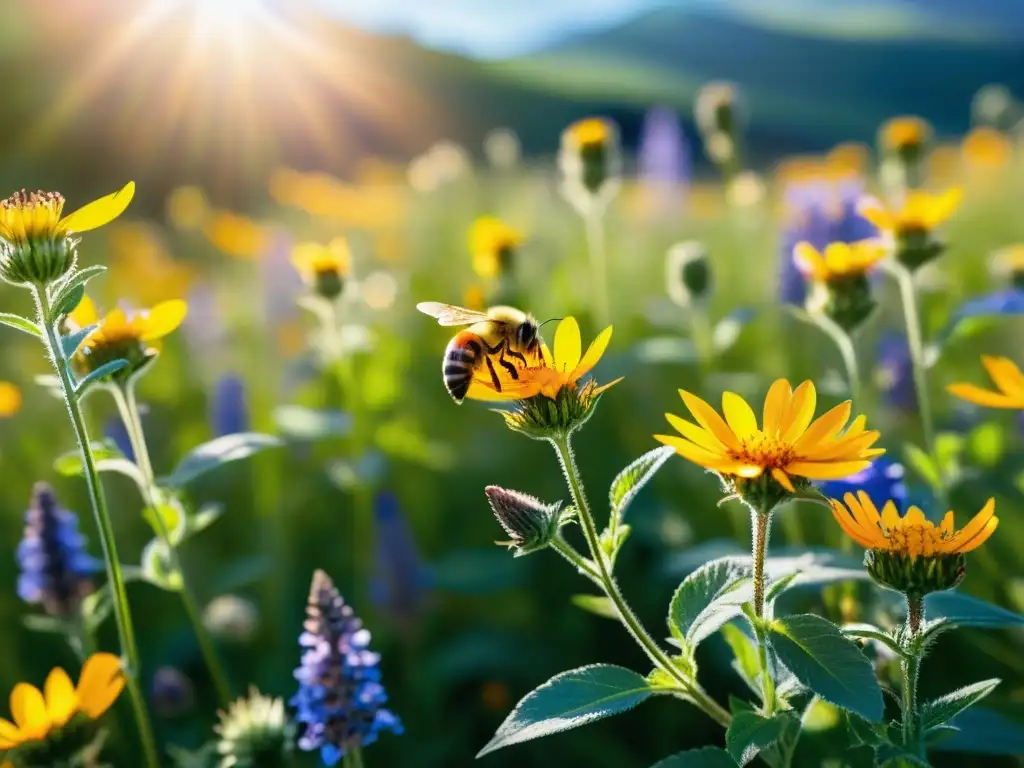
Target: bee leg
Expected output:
[517,355]
[508,366]
[494,374]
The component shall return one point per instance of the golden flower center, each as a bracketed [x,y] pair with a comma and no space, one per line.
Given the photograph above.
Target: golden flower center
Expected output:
[29,214]
[763,451]
[914,539]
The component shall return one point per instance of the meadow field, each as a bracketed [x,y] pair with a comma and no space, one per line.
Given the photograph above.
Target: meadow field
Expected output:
[290,417]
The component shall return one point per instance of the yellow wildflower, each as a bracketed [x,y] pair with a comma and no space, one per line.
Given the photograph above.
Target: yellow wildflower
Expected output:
[491,244]
[840,260]
[1005,375]
[588,132]
[786,446]
[921,212]
[986,149]
[10,399]
[904,133]
[37,714]
[236,235]
[912,534]
[187,207]
[37,215]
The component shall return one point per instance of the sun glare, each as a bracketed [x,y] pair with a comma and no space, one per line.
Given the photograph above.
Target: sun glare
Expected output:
[219,17]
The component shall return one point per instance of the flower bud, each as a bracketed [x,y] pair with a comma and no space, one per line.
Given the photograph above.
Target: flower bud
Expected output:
[688,273]
[255,732]
[845,300]
[34,249]
[590,161]
[543,418]
[715,109]
[530,523]
[915,575]
[917,247]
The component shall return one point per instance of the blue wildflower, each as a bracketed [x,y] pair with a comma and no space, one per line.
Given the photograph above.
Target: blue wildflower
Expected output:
[1009,301]
[401,579]
[340,702]
[819,213]
[56,569]
[882,481]
[117,433]
[229,413]
[896,371]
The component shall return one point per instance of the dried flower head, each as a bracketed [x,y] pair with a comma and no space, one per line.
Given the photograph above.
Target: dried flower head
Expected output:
[254,733]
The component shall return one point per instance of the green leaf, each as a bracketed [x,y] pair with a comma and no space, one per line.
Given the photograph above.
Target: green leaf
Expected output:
[706,757]
[745,652]
[633,478]
[173,517]
[863,733]
[599,605]
[99,374]
[987,443]
[967,611]
[871,632]
[780,586]
[984,731]
[20,323]
[750,733]
[70,464]
[892,756]
[69,294]
[813,569]
[70,343]
[298,422]
[157,569]
[708,599]
[49,624]
[219,451]
[831,665]
[569,700]
[922,463]
[207,515]
[945,708]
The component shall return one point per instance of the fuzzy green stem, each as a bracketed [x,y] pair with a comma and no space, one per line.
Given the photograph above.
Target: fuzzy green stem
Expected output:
[122,611]
[905,281]
[128,408]
[761,521]
[658,657]
[844,343]
[578,561]
[593,221]
[911,666]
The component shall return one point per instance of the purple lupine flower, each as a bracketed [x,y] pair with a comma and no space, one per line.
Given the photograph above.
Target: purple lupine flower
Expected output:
[665,164]
[56,569]
[896,371]
[401,580]
[340,702]
[882,481]
[818,213]
[228,410]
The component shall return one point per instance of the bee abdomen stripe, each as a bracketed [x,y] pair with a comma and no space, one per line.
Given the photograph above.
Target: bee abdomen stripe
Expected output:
[456,372]
[474,347]
[461,356]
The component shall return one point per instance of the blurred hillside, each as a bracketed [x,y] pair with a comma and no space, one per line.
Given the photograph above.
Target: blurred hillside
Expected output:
[112,89]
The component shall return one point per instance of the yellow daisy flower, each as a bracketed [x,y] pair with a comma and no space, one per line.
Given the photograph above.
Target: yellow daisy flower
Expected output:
[902,133]
[121,334]
[323,267]
[235,235]
[921,212]
[10,399]
[839,260]
[986,148]
[787,445]
[1005,375]
[589,132]
[37,215]
[38,713]
[491,243]
[912,534]
[187,207]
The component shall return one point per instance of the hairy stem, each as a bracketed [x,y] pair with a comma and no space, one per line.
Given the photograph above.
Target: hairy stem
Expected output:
[128,408]
[911,666]
[596,248]
[658,657]
[761,521]
[115,575]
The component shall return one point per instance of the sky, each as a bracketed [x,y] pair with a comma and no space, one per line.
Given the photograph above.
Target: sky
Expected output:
[485,28]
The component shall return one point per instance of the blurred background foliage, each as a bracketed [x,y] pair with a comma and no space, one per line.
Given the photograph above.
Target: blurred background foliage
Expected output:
[255,135]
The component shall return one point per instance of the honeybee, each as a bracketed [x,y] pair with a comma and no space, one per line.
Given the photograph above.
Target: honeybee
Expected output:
[501,340]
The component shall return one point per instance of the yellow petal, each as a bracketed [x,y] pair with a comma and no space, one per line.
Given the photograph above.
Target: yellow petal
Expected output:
[85,313]
[695,434]
[100,683]
[1006,376]
[29,711]
[809,261]
[825,427]
[890,517]
[708,418]
[738,415]
[61,701]
[162,319]
[975,394]
[914,517]
[594,352]
[826,470]
[775,403]
[849,525]
[9,734]
[691,451]
[980,538]
[10,399]
[977,523]
[99,212]
[944,206]
[947,526]
[873,210]
[799,412]
[783,479]
[748,470]
[567,345]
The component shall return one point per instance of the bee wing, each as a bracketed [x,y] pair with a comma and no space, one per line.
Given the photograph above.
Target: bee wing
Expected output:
[449,314]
